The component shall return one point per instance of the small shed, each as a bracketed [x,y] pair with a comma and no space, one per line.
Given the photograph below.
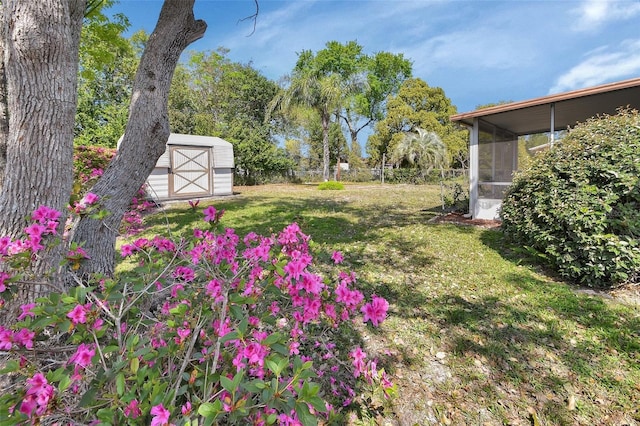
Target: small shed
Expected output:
[495,131]
[192,167]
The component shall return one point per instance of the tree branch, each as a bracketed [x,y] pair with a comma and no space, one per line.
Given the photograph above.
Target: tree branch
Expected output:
[254,17]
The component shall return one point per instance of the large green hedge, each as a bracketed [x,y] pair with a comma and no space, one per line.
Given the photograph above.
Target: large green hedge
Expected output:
[578,204]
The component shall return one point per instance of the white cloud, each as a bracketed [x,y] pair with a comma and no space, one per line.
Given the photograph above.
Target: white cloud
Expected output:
[593,14]
[482,48]
[602,65]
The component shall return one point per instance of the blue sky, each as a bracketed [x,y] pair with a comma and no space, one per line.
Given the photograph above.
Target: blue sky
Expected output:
[479,52]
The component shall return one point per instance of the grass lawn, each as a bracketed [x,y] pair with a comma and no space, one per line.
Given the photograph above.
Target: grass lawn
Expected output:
[474,336]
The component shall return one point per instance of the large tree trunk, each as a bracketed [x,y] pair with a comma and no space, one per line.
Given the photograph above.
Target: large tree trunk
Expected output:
[4,113]
[40,58]
[145,136]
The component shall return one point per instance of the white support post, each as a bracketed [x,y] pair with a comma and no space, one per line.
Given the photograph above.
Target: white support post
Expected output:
[473,167]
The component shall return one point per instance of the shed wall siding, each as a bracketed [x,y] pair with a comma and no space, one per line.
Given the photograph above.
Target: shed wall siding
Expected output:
[222,181]
[158,183]
[222,164]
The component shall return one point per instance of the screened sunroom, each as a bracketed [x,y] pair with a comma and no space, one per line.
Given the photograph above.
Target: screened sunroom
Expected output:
[504,137]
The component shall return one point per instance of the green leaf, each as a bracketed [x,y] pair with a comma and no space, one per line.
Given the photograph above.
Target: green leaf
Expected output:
[254,386]
[105,414]
[236,312]
[229,336]
[318,404]
[210,409]
[120,382]
[88,397]
[271,419]
[227,384]
[272,338]
[179,310]
[10,367]
[273,366]
[42,322]
[238,378]
[64,383]
[305,416]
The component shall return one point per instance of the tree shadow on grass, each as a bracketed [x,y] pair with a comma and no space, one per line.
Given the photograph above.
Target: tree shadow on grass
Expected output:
[548,340]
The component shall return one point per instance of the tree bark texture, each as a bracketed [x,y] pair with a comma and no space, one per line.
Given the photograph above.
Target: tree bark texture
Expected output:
[40,59]
[145,136]
[4,113]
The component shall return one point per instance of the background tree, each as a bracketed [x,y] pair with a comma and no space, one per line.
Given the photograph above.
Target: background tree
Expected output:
[365,104]
[107,67]
[421,149]
[213,96]
[417,105]
[315,84]
[338,147]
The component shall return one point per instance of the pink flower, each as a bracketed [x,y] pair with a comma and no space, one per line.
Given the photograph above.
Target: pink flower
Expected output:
[127,250]
[214,289]
[160,416]
[4,277]
[209,214]
[182,333]
[289,234]
[294,268]
[6,338]
[186,409]
[78,315]
[39,392]
[89,199]
[44,214]
[337,257]
[97,324]
[27,311]
[83,355]
[35,230]
[358,356]
[25,338]
[132,409]
[351,298]
[184,273]
[376,311]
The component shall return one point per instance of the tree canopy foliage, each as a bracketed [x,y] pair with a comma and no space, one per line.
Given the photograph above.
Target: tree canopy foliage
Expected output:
[417,105]
[211,95]
[341,83]
[108,63]
[421,149]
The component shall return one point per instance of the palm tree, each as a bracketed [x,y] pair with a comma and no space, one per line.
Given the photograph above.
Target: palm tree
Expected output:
[423,150]
[321,93]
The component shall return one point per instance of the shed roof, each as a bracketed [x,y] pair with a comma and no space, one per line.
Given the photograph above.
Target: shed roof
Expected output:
[195,140]
[534,116]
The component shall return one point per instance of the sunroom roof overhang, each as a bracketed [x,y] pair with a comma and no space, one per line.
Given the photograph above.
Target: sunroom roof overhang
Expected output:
[563,110]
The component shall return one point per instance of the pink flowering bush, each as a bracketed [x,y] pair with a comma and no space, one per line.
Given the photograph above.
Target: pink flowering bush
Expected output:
[89,165]
[210,329]
[89,162]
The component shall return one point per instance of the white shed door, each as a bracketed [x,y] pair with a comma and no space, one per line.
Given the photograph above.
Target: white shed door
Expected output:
[190,171]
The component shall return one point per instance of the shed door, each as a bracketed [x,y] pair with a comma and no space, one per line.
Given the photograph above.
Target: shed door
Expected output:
[190,173]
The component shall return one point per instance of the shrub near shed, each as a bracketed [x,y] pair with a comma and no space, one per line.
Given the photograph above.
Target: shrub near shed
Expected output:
[578,204]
